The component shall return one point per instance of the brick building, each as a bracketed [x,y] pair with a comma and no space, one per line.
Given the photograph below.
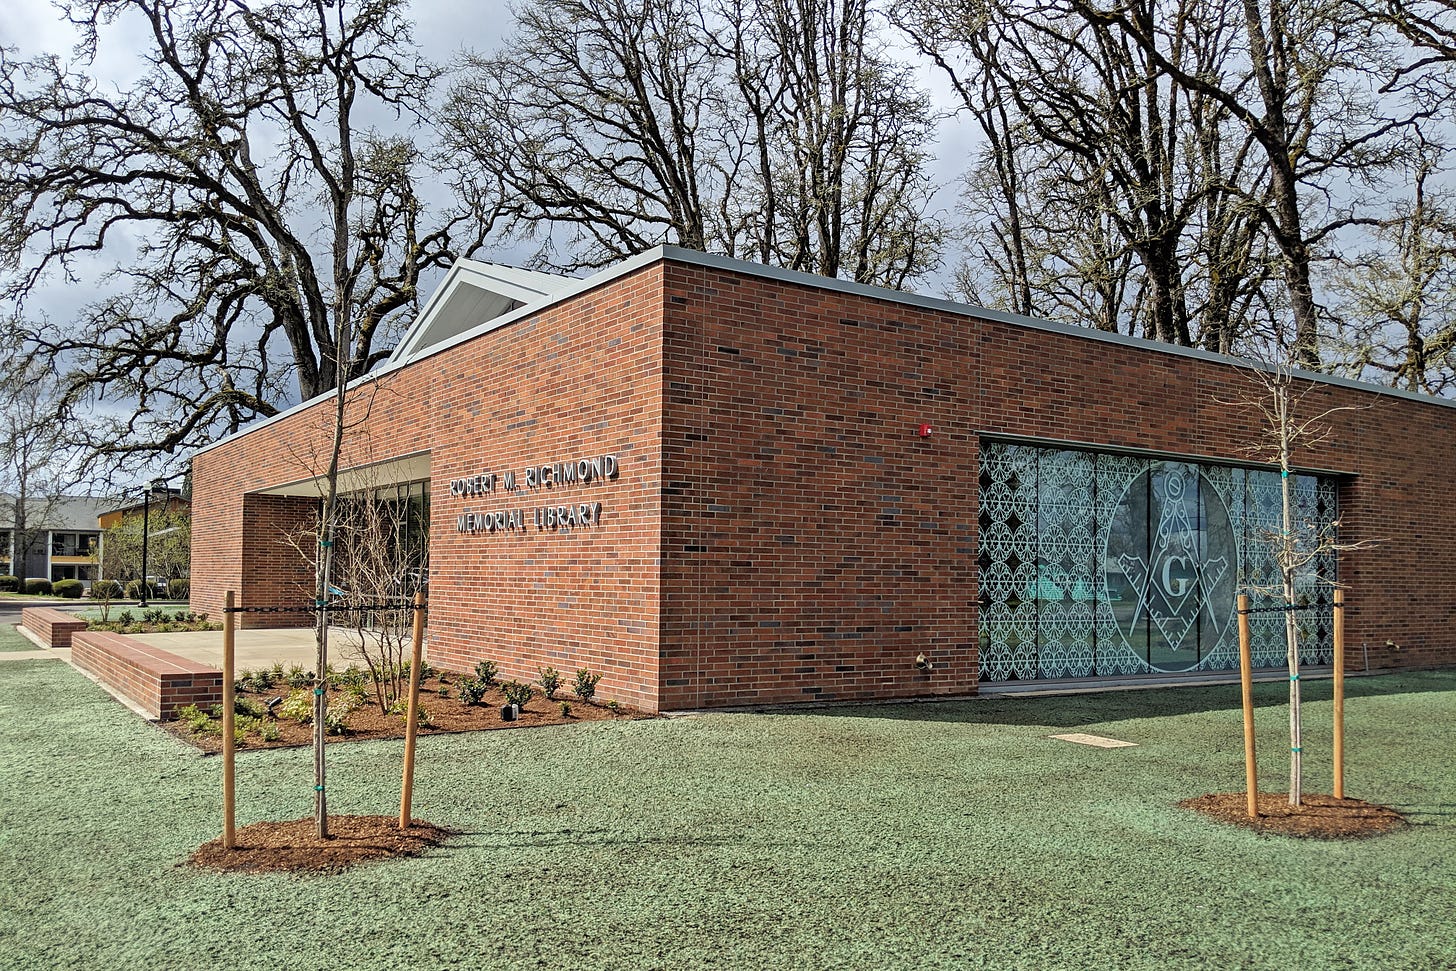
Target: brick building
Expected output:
[719,483]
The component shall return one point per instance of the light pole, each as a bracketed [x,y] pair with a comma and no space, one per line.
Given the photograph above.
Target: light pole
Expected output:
[153,486]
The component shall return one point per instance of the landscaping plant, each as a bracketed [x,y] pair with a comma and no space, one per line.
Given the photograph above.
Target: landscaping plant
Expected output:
[516,693]
[298,706]
[550,681]
[472,690]
[586,684]
[1298,545]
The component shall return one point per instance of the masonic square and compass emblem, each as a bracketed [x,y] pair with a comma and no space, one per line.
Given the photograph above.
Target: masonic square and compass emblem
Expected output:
[1172,548]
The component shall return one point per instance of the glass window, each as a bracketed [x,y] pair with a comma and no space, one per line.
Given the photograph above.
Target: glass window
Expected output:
[1102,564]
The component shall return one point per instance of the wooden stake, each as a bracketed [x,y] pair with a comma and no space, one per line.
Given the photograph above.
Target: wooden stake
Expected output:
[1246,678]
[416,661]
[229,625]
[1339,693]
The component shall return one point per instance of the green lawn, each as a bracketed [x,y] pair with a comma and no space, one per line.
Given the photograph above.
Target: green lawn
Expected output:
[915,836]
[12,640]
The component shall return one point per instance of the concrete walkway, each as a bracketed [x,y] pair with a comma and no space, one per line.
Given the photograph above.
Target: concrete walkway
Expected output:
[254,648]
[260,648]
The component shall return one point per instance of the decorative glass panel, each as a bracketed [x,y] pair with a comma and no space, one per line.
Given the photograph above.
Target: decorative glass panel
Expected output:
[1065,561]
[1096,565]
[1120,523]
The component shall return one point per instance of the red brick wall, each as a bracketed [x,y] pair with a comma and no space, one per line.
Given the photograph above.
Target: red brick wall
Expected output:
[55,627]
[814,544]
[157,681]
[778,531]
[578,380]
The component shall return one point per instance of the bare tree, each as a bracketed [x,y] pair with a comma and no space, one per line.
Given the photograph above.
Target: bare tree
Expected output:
[1399,298]
[35,457]
[1430,25]
[169,545]
[840,132]
[1307,95]
[1093,101]
[375,570]
[774,129]
[265,206]
[602,116]
[1289,425]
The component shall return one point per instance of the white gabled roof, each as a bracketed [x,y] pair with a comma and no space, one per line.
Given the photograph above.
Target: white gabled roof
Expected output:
[474,293]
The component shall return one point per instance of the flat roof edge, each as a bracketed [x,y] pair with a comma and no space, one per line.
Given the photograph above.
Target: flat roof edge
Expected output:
[708,260]
[729,264]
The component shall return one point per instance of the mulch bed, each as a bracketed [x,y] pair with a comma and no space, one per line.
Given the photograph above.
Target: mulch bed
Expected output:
[446,714]
[294,847]
[1319,817]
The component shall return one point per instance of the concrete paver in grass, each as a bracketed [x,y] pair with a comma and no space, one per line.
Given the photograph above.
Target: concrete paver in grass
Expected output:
[1096,741]
[880,836]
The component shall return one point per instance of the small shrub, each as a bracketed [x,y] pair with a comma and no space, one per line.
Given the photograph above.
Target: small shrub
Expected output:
[100,589]
[298,706]
[486,671]
[268,731]
[263,680]
[586,684]
[125,618]
[9,584]
[517,694]
[550,681]
[249,707]
[298,677]
[70,589]
[277,671]
[613,706]
[195,718]
[135,589]
[242,726]
[38,586]
[179,589]
[472,690]
[336,716]
[401,708]
[202,617]
[352,677]
[565,707]
[444,690]
[153,616]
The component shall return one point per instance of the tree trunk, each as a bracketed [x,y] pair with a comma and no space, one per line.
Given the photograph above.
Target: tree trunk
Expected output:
[1287,555]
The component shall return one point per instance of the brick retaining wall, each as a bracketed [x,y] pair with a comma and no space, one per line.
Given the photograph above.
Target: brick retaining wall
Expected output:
[52,626]
[157,681]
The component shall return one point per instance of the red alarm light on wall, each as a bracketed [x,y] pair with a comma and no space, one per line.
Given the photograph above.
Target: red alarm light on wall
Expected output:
[925,429]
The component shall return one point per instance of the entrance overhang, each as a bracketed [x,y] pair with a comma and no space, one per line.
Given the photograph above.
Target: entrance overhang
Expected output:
[374,475]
